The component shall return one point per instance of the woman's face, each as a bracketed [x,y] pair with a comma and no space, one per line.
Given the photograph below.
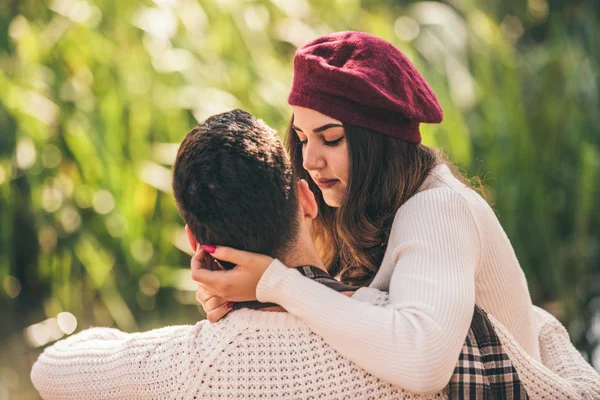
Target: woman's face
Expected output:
[324,152]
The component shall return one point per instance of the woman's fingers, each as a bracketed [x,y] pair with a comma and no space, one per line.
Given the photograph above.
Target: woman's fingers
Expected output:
[215,307]
[213,281]
[203,267]
[237,257]
[202,295]
[237,284]
[219,313]
[213,303]
[197,261]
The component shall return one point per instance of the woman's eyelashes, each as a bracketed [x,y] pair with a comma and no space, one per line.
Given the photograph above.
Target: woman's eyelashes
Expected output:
[331,143]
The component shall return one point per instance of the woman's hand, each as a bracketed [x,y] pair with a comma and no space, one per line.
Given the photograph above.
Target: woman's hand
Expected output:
[238,284]
[215,307]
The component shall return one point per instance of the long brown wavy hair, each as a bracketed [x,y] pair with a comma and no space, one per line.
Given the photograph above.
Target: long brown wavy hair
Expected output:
[384,173]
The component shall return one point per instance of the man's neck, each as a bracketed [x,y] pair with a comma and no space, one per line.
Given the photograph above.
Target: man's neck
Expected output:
[298,258]
[303,253]
[310,272]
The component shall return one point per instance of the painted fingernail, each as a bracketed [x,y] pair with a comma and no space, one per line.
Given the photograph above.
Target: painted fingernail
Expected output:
[230,304]
[209,248]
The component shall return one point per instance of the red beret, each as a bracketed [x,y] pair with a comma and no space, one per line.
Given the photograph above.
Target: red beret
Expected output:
[365,81]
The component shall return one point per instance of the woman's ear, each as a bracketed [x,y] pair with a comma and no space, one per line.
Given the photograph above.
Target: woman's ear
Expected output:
[191,238]
[306,200]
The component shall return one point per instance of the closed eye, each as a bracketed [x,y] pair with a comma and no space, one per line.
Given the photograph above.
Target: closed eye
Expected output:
[331,143]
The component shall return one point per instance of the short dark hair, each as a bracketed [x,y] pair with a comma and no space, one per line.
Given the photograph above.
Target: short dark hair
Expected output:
[234,185]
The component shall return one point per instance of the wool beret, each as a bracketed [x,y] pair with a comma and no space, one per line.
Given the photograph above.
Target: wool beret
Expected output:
[363,80]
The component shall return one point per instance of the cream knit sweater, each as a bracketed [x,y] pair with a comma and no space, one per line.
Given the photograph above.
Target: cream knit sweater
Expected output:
[562,373]
[269,355]
[446,252]
[249,354]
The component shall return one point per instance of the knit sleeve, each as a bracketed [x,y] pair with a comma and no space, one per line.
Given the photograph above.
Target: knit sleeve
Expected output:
[104,363]
[562,374]
[415,340]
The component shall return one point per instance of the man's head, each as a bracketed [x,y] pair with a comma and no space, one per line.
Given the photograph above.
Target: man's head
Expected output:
[234,185]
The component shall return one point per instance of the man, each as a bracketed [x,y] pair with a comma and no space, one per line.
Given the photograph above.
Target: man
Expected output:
[234,185]
[233,182]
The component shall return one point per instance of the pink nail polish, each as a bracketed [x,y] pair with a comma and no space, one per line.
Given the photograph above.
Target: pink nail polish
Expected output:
[230,304]
[209,248]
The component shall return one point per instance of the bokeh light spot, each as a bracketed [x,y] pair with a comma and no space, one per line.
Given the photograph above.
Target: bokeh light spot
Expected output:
[52,199]
[25,153]
[42,333]
[70,219]
[18,27]
[149,284]
[538,8]
[12,286]
[51,156]
[116,225]
[66,322]
[142,250]
[103,202]
[84,196]
[47,238]
[256,17]
[406,28]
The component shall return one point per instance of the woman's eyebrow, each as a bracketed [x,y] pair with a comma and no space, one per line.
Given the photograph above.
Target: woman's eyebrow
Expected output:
[321,128]
[327,126]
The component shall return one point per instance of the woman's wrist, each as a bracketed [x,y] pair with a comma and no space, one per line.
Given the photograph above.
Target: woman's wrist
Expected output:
[268,288]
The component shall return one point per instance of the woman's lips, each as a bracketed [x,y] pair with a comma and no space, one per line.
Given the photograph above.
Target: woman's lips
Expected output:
[327,183]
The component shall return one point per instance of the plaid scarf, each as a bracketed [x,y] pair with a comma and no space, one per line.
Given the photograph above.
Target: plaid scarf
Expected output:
[310,272]
[484,370]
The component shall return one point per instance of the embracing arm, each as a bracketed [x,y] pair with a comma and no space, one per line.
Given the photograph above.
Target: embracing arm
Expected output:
[105,363]
[414,342]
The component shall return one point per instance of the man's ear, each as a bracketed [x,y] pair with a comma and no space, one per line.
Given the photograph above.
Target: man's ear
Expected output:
[191,238]
[306,200]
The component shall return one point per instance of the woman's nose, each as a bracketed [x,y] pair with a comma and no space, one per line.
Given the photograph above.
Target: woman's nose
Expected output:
[312,158]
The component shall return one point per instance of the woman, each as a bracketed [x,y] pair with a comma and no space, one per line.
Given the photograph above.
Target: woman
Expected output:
[392,216]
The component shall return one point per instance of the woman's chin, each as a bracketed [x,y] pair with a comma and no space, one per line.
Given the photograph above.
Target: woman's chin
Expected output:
[331,201]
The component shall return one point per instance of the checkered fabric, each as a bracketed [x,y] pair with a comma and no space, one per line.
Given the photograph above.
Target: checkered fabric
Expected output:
[324,278]
[484,370]
[310,272]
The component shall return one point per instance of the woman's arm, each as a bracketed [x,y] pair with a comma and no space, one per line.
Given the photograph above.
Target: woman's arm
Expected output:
[414,342]
[104,363]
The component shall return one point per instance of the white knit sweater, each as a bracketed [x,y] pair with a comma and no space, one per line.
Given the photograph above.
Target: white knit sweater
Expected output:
[446,251]
[248,355]
[269,355]
[562,373]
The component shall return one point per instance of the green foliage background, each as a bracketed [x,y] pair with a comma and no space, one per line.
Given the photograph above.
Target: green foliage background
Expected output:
[96,95]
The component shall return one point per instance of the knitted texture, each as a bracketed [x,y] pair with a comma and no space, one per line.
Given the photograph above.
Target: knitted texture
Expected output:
[562,373]
[248,355]
[446,252]
[364,80]
[270,355]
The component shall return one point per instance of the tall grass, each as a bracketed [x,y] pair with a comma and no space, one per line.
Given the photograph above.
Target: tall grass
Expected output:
[95,96]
